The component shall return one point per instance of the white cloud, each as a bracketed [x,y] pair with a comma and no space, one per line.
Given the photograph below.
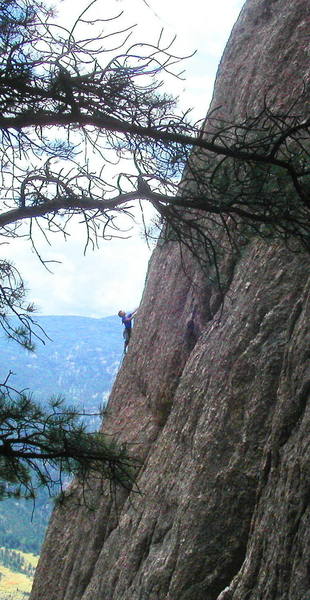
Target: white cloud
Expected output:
[112,278]
[96,284]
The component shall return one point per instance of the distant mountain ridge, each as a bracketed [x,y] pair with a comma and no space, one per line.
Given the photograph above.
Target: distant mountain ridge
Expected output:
[79,360]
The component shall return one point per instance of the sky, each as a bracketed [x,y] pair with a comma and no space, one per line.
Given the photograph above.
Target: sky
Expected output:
[112,277]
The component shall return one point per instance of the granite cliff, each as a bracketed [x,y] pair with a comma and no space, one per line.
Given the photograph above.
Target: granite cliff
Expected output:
[213,403]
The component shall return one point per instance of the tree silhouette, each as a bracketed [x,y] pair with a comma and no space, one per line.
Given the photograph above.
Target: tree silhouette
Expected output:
[42,446]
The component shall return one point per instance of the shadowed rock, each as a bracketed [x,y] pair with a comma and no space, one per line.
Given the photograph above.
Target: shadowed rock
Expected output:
[214,405]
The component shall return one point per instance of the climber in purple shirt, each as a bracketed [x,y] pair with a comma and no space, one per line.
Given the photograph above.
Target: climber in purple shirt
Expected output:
[127,322]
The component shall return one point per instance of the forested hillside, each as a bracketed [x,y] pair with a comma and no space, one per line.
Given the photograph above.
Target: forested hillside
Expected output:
[79,360]
[16,572]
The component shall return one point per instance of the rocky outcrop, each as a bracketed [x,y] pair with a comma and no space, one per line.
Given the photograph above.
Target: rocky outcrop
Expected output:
[214,405]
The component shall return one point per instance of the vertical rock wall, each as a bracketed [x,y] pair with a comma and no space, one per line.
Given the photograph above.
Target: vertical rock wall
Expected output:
[216,408]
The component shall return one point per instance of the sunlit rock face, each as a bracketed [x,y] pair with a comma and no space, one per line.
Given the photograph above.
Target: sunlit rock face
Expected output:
[214,405]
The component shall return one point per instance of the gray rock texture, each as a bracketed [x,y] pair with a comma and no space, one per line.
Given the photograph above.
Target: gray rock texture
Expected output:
[214,403]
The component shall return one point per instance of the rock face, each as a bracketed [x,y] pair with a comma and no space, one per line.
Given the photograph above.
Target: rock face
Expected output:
[215,405]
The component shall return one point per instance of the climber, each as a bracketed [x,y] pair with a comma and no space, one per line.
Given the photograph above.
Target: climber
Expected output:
[127,322]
